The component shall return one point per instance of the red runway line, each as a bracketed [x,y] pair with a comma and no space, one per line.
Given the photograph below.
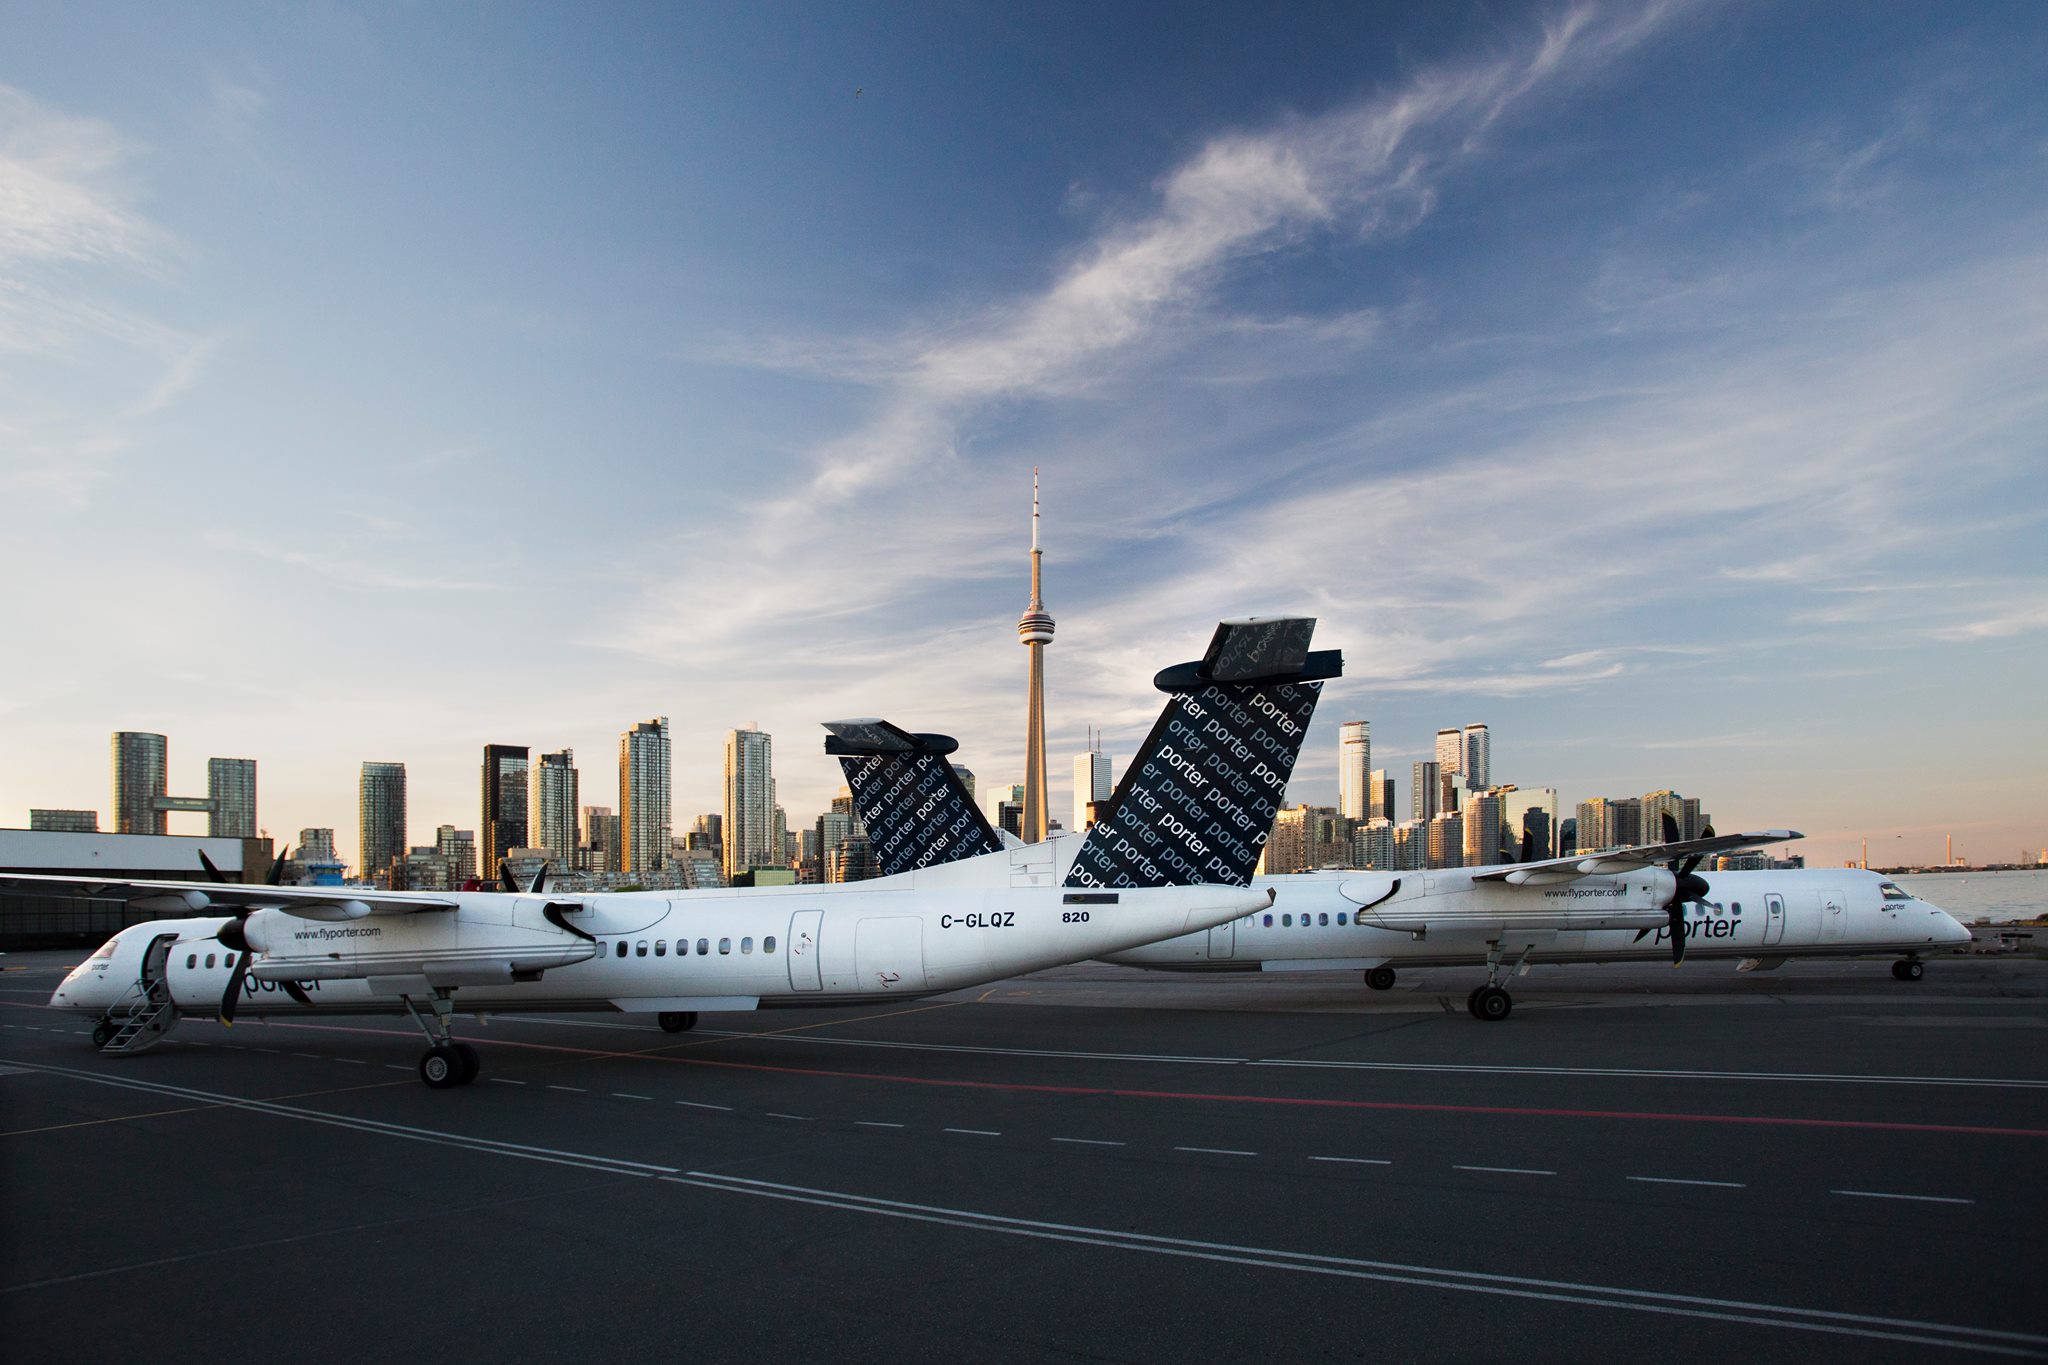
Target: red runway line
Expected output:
[1115,1092]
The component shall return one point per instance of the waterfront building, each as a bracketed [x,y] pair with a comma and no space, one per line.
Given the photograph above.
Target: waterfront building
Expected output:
[1354,769]
[380,812]
[231,788]
[554,808]
[316,846]
[1373,844]
[645,804]
[751,839]
[457,848]
[852,861]
[1446,840]
[503,824]
[1482,830]
[601,838]
[1567,837]
[1424,791]
[1450,752]
[64,821]
[1476,764]
[1529,817]
[1379,789]
[1034,632]
[966,776]
[139,763]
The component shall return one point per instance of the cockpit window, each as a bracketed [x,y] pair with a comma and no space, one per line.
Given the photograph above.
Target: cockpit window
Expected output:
[1891,892]
[106,950]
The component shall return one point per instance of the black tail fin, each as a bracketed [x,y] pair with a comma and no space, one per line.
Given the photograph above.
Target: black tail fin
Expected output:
[916,809]
[1198,800]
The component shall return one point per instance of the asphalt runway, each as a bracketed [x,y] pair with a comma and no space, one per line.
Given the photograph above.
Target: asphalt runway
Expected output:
[1818,1163]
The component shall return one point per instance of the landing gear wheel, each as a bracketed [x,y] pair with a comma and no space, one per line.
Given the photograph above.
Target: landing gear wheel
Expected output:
[676,1021]
[103,1032]
[471,1063]
[1491,1004]
[1380,978]
[1906,969]
[441,1068]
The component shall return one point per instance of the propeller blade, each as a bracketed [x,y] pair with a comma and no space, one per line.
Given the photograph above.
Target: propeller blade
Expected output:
[539,882]
[1528,847]
[213,874]
[233,996]
[297,992]
[506,881]
[1677,913]
[276,877]
[1669,826]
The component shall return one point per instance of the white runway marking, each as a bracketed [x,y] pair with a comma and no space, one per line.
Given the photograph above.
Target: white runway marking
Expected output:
[1674,1180]
[1089,1142]
[972,1132]
[1503,1170]
[723,1108]
[495,1080]
[622,1095]
[1354,1160]
[1986,1340]
[871,1123]
[394,1066]
[572,1089]
[1916,1198]
[800,1118]
[1216,1151]
[351,1061]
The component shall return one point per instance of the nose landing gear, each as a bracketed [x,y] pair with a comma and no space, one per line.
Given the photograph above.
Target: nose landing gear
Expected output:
[1380,978]
[676,1021]
[1909,969]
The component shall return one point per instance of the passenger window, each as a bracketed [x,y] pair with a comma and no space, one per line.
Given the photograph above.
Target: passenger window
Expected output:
[661,947]
[227,960]
[746,945]
[191,961]
[622,947]
[1323,918]
[768,944]
[640,949]
[1738,907]
[703,946]
[724,946]
[1269,921]
[1340,919]
[209,959]
[1287,921]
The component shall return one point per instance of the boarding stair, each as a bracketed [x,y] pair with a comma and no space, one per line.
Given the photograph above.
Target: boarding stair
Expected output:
[139,1020]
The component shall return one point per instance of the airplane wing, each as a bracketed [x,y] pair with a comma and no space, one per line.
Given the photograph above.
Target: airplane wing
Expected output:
[231,898]
[1553,871]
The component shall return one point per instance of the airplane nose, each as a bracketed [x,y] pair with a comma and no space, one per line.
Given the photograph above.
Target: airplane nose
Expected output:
[1955,931]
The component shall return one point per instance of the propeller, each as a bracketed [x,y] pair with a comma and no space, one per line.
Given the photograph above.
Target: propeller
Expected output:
[1688,886]
[232,937]
[511,883]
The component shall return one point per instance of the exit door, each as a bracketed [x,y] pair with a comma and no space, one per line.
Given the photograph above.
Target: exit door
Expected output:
[804,966]
[1774,919]
[1223,941]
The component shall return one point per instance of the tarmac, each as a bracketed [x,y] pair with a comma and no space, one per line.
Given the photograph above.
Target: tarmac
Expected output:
[1816,1163]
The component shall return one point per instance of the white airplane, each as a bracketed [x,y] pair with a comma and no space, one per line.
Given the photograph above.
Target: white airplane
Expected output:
[287,950]
[1603,907]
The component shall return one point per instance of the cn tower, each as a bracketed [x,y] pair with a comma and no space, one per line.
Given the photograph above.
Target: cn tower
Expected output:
[1034,632]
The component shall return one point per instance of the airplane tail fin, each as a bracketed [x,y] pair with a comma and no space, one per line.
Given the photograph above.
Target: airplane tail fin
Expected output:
[1199,797]
[916,809]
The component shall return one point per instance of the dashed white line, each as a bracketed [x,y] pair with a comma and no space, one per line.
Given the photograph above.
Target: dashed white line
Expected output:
[314,1055]
[693,1104]
[622,1095]
[1674,1180]
[1503,1170]
[1916,1198]
[1354,1160]
[800,1118]
[1216,1151]
[351,1061]
[495,1080]
[1089,1142]
[572,1089]
[871,1123]
[394,1066]
[973,1132]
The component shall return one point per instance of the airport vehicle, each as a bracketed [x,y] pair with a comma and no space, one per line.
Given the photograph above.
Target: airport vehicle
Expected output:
[934,929]
[1620,905]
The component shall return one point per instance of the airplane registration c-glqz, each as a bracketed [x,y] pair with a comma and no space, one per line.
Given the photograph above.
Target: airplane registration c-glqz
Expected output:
[1182,865]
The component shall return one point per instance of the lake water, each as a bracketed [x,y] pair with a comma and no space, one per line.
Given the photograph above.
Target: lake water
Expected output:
[1971,896]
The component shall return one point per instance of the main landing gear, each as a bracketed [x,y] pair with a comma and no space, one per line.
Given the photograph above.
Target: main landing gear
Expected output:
[1380,978]
[676,1021]
[447,1063]
[1491,1002]
[1909,969]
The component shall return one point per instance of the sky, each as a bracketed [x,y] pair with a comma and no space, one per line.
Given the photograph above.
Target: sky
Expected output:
[1664,385]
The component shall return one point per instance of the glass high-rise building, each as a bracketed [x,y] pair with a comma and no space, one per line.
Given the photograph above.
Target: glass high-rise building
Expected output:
[503,822]
[231,786]
[645,802]
[1424,791]
[1091,784]
[380,807]
[555,808]
[1450,752]
[1478,758]
[138,780]
[1379,788]
[1354,769]
[64,821]
[601,837]
[751,838]
[457,848]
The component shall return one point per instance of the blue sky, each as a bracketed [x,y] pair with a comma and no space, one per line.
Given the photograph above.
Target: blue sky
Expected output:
[1665,385]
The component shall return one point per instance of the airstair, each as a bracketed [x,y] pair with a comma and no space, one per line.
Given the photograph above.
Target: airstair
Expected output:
[139,1019]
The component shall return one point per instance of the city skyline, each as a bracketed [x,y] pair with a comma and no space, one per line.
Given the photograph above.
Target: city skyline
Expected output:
[1657,380]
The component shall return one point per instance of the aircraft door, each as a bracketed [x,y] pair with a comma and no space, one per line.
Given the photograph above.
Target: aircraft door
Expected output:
[1774,919]
[1223,941]
[804,963]
[155,958]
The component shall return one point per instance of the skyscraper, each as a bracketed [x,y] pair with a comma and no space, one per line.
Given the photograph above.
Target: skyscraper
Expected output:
[554,808]
[1354,768]
[1379,790]
[601,837]
[457,848]
[1034,632]
[1424,789]
[1091,784]
[503,822]
[751,837]
[1478,764]
[380,809]
[139,763]
[645,804]
[1450,752]
[231,786]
